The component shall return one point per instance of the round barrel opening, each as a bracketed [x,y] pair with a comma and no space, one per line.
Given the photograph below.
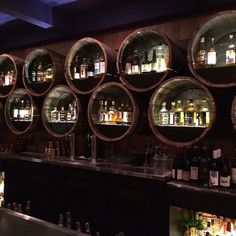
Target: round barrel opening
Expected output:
[60,111]
[88,63]
[39,72]
[181,111]
[112,112]
[8,74]
[211,52]
[21,112]
[144,59]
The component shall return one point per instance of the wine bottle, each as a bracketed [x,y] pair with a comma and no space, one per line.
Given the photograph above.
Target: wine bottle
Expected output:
[214,171]
[195,165]
[225,173]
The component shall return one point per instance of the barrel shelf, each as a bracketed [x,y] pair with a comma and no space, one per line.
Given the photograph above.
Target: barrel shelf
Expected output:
[20,111]
[10,74]
[112,112]
[180,125]
[61,111]
[220,73]
[233,113]
[43,69]
[100,61]
[166,62]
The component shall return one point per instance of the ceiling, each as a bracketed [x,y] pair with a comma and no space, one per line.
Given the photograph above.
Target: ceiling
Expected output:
[25,22]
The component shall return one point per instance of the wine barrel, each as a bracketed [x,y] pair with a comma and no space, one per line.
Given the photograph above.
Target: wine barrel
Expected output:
[43,69]
[21,113]
[164,59]
[108,121]
[91,49]
[61,111]
[10,74]
[233,113]
[215,30]
[177,127]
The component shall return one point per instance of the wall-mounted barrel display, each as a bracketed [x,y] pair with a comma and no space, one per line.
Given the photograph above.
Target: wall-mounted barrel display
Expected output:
[10,74]
[233,113]
[43,69]
[146,58]
[21,113]
[61,111]
[211,52]
[112,112]
[181,111]
[88,63]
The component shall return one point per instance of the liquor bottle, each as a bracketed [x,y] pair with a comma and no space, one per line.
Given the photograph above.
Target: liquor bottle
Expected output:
[161,63]
[102,65]
[204,167]
[62,114]
[105,115]
[127,114]
[101,112]
[128,65]
[2,79]
[179,113]
[230,52]
[15,109]
[112,113]
[76,68]
[40,73]
[163,115]
[97,64]
[60,220]
[225,173]
[201,55]
[190,114]
[7,78]
[74,113]
[119,114]
[91,68]
[172,114]
[27,115]
[204,113]
[69,112]
[186,166]
[78,226]
[84,69]
[194,175]
[49,72]
[54,115]
[87,229]
[211,54]
[28,208]
[146,66]
[233,169]
[136,64]
[34,74]
[214,171]
[177,167]
[22,110]
[154,67]
[68,220]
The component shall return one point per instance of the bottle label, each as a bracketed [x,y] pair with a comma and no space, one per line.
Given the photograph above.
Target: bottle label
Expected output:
[173,173]
[102,67]
[214,178]
[211,58]
[194,173]
[163,118]
[230,56]
[225,181]
[171,118]
[145,68]
[76,75]
[62,116]
[179,174]
[135,69]
[233,175]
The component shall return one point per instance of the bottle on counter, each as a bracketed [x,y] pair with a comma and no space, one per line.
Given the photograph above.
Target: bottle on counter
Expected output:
[186,165]
[194,172]
[68,220]
[177,167]
[204,167]
[225,173]
[190,114]
[214,171]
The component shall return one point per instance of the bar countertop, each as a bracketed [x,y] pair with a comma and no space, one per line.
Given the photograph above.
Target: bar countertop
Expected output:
[98,166]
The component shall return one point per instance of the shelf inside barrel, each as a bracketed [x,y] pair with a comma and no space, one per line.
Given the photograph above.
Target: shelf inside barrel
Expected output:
[61,127]
[180,134]
[219,75]
[21,125]
[112,131]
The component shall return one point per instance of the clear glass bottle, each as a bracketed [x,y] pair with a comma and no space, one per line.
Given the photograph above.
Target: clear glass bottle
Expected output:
[179,113]
[101,112]
[7,78]
[128,65]
[211,54]
[84,69]
[34,74]
[172,114]
[136,63]
[161,63]
[201,56]
[204,113]
[49,72]
[190,114]
[102,65]
[146,65]
[163,115]
[76,68]
[230,52]
[54,115]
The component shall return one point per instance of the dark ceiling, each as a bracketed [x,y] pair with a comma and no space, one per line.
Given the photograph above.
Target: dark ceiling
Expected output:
[26,22]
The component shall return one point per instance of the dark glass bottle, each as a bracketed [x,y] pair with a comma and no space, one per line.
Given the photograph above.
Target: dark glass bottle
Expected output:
[136,63]
[186,166]
[195,165]
[214,171]
[177,167]
[203,177]
[146,66]
[225,173]
[84,69]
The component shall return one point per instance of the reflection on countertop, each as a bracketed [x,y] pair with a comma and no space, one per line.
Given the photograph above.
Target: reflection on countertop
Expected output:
[111,166]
